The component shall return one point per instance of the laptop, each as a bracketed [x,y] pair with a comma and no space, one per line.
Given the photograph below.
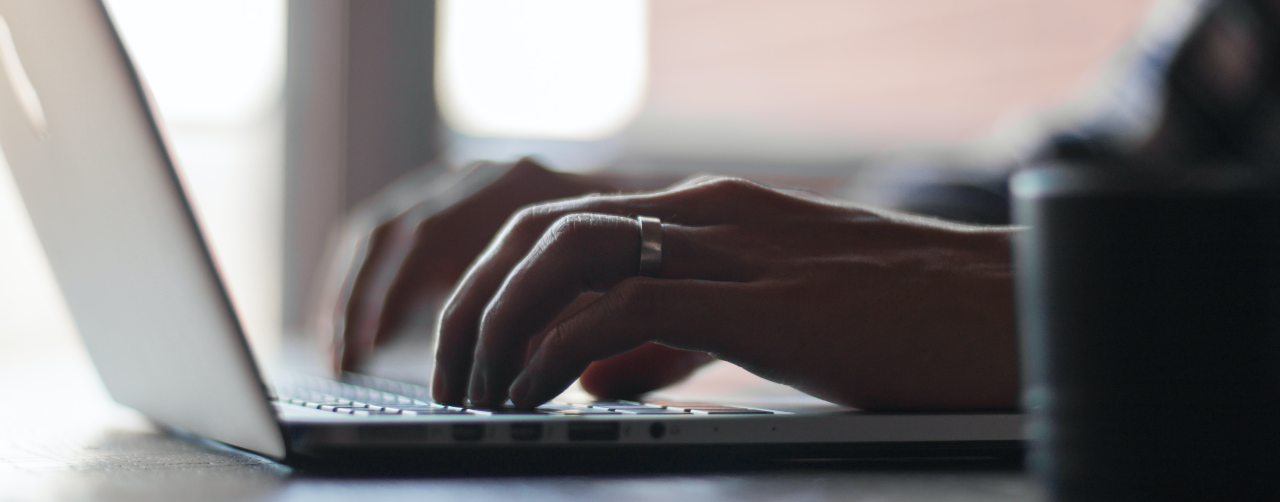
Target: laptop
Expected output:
[110,210]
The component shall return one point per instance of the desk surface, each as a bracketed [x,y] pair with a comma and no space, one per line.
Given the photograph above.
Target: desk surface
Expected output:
[74,443]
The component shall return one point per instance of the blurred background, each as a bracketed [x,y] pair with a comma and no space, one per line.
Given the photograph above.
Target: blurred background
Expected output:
[284,114]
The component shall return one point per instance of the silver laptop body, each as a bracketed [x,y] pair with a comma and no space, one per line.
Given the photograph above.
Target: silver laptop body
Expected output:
[94,171]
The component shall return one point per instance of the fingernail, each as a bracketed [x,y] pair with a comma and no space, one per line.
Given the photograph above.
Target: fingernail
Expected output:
[439,387]
[520,389]
[479,389]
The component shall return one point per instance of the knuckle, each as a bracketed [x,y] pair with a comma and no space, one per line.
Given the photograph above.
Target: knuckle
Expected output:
[745,191]
[383,230]
[570,229]
[700,179]
[389,234]
[527,167]
[521,223]
[531,218]
[731,184]
[524,216]
[729,188]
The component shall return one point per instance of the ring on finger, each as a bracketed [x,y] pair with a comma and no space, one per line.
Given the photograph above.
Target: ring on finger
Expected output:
[650,246]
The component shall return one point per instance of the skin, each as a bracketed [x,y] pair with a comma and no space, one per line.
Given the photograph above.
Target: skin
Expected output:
[410,263]
[862,307]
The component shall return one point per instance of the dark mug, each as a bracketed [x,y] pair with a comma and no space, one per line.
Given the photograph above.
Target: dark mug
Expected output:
[1148,317]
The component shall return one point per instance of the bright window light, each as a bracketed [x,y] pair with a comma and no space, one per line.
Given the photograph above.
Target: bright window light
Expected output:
[555,69]
[208,61]
[216,71]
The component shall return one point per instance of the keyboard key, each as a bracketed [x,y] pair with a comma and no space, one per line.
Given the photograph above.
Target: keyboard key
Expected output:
[509,409]
[363,412]
[673,404]
[513,411]
[318,404]
[347,410]
[617,404]
[695,408]
[739,411]
[583,411]
[651,411]
[614,406]
[434,412]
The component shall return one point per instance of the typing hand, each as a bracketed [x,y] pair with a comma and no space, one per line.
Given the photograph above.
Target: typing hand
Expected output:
[865,308]
[407,264]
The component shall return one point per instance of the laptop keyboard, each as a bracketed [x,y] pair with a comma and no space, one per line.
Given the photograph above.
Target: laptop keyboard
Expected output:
[369,396]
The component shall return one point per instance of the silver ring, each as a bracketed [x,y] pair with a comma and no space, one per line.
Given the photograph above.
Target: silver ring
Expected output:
[650,246]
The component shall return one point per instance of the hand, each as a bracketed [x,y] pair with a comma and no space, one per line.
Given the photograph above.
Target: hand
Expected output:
[408,263]
[631,374]
[869,309]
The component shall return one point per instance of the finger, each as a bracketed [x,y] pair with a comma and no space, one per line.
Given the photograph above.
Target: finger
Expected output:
[650,367]
[445,243]
[326,307]
[636,311]
[437,257]
[703,203]
[349,252]
[580,253]
[358,312]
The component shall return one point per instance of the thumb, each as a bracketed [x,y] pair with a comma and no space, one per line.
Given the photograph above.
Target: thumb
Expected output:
[644,369]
